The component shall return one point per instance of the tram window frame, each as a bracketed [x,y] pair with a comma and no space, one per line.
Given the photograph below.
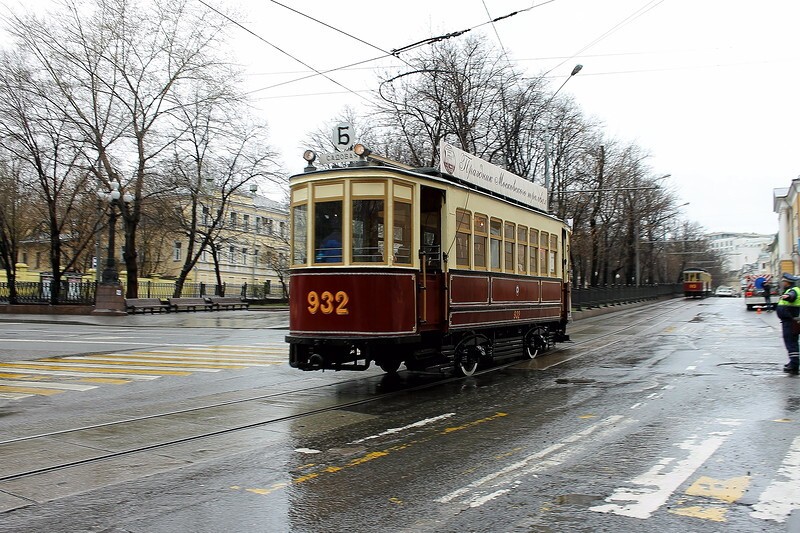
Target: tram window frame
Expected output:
[463,238]
[300,234]
[509,246]
[522,249]
[402,226]
[544,242]
[329,233]
[554,255]
[495,244]
[480,236]
[533,267]
[368,232]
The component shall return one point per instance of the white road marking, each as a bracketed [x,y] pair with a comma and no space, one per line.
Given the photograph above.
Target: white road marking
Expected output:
[549,457]
[651,489]
[417,424]
[782,496]
[70,373]
[636,405]
[691,367]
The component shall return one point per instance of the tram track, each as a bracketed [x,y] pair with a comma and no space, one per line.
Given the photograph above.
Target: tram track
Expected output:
[594,344]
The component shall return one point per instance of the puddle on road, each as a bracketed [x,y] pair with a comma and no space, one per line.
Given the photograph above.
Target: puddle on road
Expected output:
[577,499]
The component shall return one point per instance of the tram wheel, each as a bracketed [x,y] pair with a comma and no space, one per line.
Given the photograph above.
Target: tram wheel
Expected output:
[468,358]
[534,345]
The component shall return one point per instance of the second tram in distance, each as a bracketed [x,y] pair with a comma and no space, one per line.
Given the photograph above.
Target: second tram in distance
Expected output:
[423,267]
[696,283]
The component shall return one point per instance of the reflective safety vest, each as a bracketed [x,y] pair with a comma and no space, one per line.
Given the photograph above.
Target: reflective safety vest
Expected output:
[796,302]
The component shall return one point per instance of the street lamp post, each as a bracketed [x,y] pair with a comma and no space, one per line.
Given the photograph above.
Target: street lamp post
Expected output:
[109,299]
[575,70]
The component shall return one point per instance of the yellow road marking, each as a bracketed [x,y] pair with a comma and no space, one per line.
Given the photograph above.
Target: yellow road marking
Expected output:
[100,361]
[371,456]
[726,490]
[78,368]
[29,377]
[30,390]
[715,514]
[146,356]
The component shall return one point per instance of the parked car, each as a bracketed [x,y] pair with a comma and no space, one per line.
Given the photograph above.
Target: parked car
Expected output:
[724,290]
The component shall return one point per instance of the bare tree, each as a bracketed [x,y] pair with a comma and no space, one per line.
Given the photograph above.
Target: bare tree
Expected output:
[116,66]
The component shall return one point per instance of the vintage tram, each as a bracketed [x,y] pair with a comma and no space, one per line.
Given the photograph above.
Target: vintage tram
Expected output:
[432,268]
[696,283]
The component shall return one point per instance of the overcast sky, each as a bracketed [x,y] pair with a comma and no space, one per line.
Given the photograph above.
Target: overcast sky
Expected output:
[707,87]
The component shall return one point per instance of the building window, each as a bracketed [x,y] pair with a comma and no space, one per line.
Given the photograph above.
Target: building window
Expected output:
[206,217]
[246,222]
[244,256]
[234,220]
[232,254]
[176,251]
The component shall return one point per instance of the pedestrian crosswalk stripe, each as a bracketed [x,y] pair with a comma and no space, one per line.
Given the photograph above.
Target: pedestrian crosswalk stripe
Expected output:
[71,373]
[22,379]
[100,360]
[782,496]
[146,356]
[30,390]
[76,367]
[47,385]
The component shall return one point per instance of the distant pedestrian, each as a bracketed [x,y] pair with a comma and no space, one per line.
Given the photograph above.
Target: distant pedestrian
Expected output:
[788,311]
[767,288]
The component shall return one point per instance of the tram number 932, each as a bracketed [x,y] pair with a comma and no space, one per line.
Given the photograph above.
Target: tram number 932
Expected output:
[327,303]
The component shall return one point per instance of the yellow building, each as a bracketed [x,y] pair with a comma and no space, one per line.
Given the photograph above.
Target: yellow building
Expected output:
[251,246]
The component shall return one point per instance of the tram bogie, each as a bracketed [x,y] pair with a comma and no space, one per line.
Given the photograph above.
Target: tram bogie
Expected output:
[430,270]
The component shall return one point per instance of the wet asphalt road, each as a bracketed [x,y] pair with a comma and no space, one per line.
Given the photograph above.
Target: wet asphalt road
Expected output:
[671,417]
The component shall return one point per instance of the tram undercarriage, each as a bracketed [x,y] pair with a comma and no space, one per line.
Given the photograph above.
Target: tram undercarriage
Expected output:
[461,352]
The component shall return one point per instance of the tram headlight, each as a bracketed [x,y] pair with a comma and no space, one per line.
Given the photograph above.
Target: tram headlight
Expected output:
[310,156]
[361,150]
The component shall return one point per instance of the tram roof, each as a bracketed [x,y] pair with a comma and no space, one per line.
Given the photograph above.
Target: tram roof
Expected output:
[429,173]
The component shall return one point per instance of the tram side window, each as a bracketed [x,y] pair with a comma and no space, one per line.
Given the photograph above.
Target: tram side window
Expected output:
[510,244]
[368,231]
[544,240]
[328,232]
[496,238]
[553,255]
[402,233]
[299,234]
[463,234]
[522,249]
[480,241]
[534,252]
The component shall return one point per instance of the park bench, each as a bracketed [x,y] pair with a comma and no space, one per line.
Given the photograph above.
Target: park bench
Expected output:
[227,302]
[190,304]
[132,305]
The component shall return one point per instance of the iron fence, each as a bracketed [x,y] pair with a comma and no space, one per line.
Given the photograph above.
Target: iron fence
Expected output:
[588,297]
[40,292]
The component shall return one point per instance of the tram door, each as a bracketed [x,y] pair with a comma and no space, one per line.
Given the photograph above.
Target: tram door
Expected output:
[430,300]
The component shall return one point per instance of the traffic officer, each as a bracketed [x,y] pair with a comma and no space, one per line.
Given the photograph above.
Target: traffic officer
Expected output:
[788,311]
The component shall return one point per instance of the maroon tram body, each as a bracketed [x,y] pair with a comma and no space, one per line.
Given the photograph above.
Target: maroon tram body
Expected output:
[485,294]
